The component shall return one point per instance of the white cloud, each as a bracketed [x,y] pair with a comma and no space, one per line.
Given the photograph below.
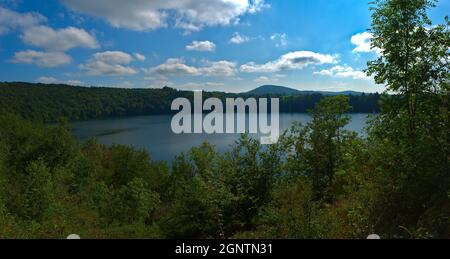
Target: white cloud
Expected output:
[174,66]
[113,57]
[178,67]
[109,63]
[266,80]
[54,42]
[139,57]
[10,20]
[344,72]
[198,86]
[279,76]
[47,80]
[214,84]
[262,79]
[35,34]
[74,82]
[218,68]
[290,61]
[58,40]
[41,59]
[280,39]
[190,15]
[125,84]
[239,39]
[363,42]
[201,46]
[52,80]
[158,81]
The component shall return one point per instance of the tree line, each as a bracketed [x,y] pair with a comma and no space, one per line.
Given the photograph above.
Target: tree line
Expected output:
[49,103]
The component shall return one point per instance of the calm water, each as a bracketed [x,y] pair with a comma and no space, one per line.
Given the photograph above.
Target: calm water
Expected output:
[154,134]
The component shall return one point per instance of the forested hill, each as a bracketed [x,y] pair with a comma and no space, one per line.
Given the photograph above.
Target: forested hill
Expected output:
[282,90]
[48,103]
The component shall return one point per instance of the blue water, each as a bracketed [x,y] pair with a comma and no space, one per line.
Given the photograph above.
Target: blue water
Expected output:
[154,133]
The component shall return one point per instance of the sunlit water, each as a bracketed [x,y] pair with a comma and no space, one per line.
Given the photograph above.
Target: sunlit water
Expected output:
[154,133]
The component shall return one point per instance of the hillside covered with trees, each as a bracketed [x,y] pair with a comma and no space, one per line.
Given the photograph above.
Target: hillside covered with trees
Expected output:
[49,103]
[318,181]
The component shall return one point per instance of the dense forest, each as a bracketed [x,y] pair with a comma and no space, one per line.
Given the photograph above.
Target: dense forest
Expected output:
[49,103]
[318,181]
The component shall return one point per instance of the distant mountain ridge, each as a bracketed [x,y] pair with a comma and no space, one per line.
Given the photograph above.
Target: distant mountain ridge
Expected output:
[282,90]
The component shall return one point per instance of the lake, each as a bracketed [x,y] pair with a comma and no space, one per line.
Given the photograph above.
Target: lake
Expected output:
[154,133]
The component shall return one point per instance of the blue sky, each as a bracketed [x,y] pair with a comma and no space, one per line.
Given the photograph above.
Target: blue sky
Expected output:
[214,45]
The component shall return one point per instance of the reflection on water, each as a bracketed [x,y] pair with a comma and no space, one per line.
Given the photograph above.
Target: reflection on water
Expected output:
[154,133]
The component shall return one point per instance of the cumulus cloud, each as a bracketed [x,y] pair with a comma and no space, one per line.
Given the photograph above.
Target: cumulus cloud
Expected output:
[174,66]
[47,80]
[197,86]
[109,63]
[201,46]
[363,42]
[178,67]
[239,39]
[344,72]
[52,80]
[38,35]
[218,68]
[272,79]
[190,15]
[158,81]
[262,79]
[53,42]
[276,78]
[10,20]
[125,84]
[139,57]
[58,40]
[290,61]
[74,82]
[41,59]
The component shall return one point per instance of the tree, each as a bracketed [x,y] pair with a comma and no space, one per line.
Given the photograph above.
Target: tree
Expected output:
[135,203]
[324,144]
[409,141]
[200,201]
[292,213]
[250,173]
[414,60]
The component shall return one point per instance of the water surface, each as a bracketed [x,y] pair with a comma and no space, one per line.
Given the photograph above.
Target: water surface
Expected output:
[154,134]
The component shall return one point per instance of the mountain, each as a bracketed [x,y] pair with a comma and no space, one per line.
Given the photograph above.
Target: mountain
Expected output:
[273,89]
[282,90]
